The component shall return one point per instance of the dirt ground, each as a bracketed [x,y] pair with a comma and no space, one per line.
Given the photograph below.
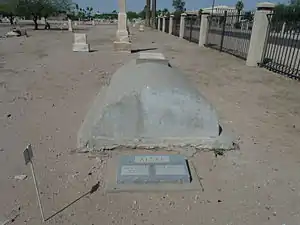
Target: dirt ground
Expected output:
[46,90]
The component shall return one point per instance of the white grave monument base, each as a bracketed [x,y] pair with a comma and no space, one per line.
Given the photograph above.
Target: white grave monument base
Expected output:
[80,43]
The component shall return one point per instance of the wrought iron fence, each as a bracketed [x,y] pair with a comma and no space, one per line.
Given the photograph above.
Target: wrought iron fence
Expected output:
[176,26]
[192,28]
[167,24]
[282,47]
[161,24]
[230,33]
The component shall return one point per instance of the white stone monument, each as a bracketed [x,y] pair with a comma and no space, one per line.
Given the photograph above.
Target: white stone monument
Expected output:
[80,43]
[122,42]
[70,25]
[141,28]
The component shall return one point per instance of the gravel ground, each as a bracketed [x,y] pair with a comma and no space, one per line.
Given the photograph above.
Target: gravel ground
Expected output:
[46,90]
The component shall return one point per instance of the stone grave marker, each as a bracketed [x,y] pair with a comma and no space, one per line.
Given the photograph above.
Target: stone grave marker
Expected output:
[153,169]
[141,28]
[80,43]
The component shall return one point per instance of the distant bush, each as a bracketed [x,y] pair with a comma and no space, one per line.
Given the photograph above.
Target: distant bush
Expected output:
[237,25]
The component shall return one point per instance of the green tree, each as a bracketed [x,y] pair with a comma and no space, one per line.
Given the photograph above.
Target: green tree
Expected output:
[179,5]
[132,15]
[295,2]
[8,8]
[248,16]
[165,12]
[142,14]
[36,9]
[159,12]
[239,6]
[89,11]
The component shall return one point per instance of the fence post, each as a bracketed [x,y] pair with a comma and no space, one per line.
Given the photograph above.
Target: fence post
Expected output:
[283,29]
[259,33]
[164,24]
[158,23]
[223,31]
[203,29]
[191,27]
[171,24]
[182,25]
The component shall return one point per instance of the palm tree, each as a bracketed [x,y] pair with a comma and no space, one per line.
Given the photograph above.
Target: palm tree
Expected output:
[239,6]
[153,12]
[148,12]
[165,11]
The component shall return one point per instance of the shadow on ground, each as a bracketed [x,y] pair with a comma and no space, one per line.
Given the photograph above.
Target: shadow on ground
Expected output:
[142,50]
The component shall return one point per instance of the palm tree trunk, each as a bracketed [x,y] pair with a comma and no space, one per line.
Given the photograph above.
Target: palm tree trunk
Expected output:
[148,13]
[153,13]
[36,25]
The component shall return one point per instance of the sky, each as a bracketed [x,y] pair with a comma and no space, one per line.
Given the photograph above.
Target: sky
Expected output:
[138,5]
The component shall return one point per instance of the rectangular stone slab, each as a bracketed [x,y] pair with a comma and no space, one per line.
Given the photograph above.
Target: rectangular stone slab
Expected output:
[80,38]
[111,185]
[152,169]
[156,57]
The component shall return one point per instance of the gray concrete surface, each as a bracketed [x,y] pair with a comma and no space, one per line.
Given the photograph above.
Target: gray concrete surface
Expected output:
[151,105]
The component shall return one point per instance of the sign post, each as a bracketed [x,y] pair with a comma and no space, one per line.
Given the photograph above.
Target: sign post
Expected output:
[28,155]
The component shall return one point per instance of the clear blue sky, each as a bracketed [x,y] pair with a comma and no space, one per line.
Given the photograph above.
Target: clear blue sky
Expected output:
[138,5]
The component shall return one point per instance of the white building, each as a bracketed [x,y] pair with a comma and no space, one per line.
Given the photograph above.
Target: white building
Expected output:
[220,9]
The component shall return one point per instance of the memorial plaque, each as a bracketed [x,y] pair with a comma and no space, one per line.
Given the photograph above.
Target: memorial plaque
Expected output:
[135,170]
[152,159]
[153,169]
[170,170]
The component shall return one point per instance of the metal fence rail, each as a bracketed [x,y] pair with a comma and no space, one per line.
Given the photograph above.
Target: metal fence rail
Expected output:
[230,33]
[192,28]
[282,47]
[176,26]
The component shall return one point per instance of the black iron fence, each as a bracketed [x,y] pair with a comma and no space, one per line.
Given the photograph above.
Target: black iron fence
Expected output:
[176,26]
[282,47]
[192,28]
[167,25]
[160,24]
[230,33]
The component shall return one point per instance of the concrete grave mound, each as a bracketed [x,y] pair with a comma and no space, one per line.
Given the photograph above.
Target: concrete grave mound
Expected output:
[149,104]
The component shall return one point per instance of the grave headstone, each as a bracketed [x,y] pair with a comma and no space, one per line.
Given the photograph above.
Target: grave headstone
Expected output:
[152,169]
[80,43]
[142,28]
[122,42]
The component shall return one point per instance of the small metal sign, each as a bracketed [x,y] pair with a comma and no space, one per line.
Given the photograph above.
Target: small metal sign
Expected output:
[28,154]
